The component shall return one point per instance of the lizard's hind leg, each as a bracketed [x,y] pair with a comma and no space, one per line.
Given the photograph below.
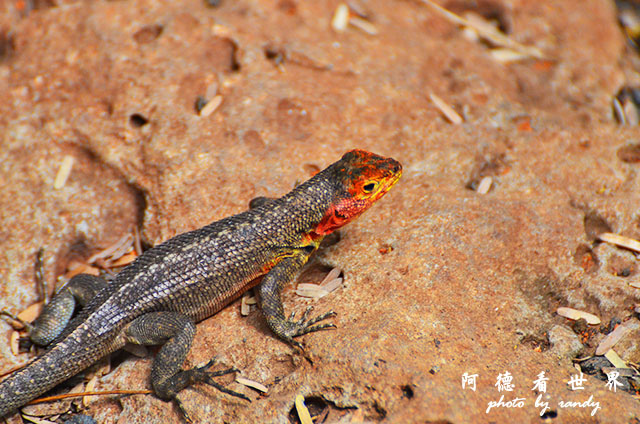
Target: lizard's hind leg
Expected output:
[57,313]
[175,332]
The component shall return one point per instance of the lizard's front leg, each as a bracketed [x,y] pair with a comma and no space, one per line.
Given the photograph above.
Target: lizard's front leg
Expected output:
[271,302]
[260,201]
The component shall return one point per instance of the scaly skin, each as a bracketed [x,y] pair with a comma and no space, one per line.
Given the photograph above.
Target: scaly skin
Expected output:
[158,298]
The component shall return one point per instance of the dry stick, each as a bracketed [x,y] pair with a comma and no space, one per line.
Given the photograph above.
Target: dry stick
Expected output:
[100,393]
[487,31]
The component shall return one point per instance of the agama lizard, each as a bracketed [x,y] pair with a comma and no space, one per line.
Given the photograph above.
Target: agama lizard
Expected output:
[157,299]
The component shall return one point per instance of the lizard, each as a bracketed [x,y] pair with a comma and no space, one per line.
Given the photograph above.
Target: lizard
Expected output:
[158,298]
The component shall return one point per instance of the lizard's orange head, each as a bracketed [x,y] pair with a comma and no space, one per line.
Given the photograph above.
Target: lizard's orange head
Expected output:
[363,178]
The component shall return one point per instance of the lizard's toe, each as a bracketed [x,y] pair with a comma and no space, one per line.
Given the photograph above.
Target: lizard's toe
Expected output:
[291,329]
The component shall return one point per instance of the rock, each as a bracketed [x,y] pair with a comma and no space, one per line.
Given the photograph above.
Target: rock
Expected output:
[564,342]
[439,280]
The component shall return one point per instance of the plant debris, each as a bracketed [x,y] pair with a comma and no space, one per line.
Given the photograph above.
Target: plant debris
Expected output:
[342,18]
[211,106]
[303,412]
[63,172]
[626,106]
[615,359]
[449,113]
[484,185]
[487,31]
[575,314]
[620,241]
[253,384]
[316,291]
[616,335]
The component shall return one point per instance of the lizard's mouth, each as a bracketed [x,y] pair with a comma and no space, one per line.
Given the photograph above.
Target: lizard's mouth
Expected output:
[342,218]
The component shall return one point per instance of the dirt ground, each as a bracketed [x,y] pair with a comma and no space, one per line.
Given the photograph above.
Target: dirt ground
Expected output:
[441,279]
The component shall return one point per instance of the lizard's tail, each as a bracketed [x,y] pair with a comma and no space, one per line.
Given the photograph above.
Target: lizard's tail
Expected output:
[44,373]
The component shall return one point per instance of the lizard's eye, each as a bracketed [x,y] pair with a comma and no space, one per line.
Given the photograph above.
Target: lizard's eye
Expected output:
[369,187]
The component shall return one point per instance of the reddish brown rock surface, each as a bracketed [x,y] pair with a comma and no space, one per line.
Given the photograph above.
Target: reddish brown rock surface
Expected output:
[439,280]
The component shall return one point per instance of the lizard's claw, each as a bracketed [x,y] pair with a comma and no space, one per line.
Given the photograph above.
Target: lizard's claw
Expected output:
[211,363]
[203,375]
[290,328]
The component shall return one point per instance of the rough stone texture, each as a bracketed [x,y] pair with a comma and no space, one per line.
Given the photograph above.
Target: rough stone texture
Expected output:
[470,280]
[564,342]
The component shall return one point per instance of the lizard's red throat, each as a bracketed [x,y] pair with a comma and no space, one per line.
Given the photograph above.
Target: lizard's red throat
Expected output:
[339,215]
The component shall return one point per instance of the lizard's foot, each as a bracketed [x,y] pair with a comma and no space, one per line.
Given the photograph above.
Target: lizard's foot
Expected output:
[290,328]
[203,375]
